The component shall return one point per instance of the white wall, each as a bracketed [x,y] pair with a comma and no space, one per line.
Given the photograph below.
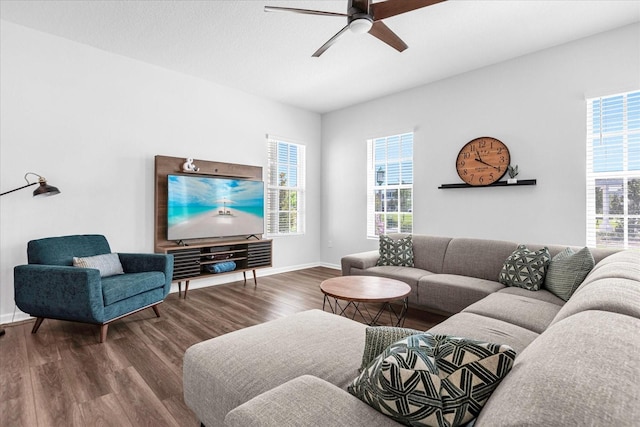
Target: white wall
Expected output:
[535,104]
[91,122]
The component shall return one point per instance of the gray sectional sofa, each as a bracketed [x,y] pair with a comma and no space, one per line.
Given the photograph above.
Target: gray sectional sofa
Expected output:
[577,362]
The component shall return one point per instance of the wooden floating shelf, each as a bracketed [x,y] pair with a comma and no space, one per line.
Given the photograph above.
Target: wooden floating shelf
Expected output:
[495,184]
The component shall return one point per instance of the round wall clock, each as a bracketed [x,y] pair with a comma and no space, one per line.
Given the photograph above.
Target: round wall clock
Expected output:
[482,161]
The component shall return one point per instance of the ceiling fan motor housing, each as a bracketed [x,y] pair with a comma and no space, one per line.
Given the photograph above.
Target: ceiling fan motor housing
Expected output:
[360,23]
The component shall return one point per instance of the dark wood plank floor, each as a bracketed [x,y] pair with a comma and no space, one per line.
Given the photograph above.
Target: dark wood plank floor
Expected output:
[62,376]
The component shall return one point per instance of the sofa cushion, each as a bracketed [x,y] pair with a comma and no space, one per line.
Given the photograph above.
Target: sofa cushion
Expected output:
[429,252]
[120,287]
[567,271]
[306,401]
[396,252]
[479,258]
[450,293]
[378,338]
[433,380]
[408,275]
[525,268]
[224,372]
[583,371]
[485,329]
[528,313]
[623,265]
[615,295]
[107,264]
[541,295]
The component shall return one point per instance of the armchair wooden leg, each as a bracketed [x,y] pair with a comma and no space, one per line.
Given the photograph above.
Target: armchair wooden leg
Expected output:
[103,332]
[155,309]
[37,324]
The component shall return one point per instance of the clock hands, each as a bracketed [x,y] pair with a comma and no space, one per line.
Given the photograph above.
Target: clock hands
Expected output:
[479,159]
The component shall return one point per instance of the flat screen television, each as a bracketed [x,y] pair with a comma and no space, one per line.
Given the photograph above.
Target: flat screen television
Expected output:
[206,206]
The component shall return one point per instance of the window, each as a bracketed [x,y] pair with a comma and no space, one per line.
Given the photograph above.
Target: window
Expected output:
[285,188]
[613,171]
[390,185]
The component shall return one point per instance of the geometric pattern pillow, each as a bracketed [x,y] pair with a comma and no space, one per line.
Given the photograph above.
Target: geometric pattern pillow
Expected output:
[525,268]
[567,271]
[433,380]
[396,252]
[108,264]
[378,338]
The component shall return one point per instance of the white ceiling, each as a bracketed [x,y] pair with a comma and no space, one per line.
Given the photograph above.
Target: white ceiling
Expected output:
[237,44]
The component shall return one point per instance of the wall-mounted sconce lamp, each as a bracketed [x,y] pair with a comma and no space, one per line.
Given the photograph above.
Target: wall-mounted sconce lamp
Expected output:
[43,189]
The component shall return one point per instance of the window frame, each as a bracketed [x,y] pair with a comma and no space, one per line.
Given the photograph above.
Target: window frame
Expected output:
[375,188]
[275,189]
[602,132]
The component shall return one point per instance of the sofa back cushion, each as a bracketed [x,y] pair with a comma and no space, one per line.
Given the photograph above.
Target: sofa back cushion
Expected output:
[61,250]
[584,370]
[477,257]
[428,251]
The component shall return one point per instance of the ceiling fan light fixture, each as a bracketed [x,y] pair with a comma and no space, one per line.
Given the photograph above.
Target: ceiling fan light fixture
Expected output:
[361,25]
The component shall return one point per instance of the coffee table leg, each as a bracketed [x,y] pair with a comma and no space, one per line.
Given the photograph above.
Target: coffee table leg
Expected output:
[400,316]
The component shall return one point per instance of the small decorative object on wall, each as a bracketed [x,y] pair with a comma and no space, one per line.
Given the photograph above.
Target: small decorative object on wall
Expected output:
[188,166]
[513,172]
[483,161]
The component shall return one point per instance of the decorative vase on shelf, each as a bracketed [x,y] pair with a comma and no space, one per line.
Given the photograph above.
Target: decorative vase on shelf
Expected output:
[513,172]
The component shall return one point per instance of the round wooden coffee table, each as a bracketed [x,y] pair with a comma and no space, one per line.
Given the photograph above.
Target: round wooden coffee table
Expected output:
[354,291]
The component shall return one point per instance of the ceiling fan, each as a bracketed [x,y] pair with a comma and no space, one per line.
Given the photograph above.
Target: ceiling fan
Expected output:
[364,16]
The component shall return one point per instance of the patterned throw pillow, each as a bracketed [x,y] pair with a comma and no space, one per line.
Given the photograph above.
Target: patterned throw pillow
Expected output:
[378,338]
[525,268]
[433,380]
[108,264]
[567,271]
[396,252]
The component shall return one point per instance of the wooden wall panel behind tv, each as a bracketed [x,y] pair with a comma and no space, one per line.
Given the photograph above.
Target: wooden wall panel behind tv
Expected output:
[165,165]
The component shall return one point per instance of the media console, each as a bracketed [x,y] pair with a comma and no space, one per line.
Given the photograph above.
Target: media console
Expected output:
[190,262]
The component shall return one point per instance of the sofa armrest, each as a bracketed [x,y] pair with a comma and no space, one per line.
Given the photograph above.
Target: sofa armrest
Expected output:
[61,292]
[140,263]
[306,401]
[362,261]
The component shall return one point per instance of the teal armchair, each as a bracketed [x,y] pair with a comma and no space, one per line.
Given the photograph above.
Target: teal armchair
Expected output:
[51,287]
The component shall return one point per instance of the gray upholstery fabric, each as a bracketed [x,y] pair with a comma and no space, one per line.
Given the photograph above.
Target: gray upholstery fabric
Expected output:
[528,313]
[450,293]
[624,265]
[359,261]
[226,371]
[583,371]
[409,275]
[429,252]
[477,257]
[306,401]
[541,295]
[481,328]
[613,295]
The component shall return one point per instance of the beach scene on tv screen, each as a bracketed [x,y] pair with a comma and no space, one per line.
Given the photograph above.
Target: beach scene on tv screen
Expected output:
[200,207]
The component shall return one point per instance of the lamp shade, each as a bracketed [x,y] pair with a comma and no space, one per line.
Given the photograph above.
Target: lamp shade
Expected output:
[45,190]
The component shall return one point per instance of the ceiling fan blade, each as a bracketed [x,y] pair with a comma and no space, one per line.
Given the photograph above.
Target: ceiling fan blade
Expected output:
[304,11]
[329,43]
[390,8]
[382,32]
